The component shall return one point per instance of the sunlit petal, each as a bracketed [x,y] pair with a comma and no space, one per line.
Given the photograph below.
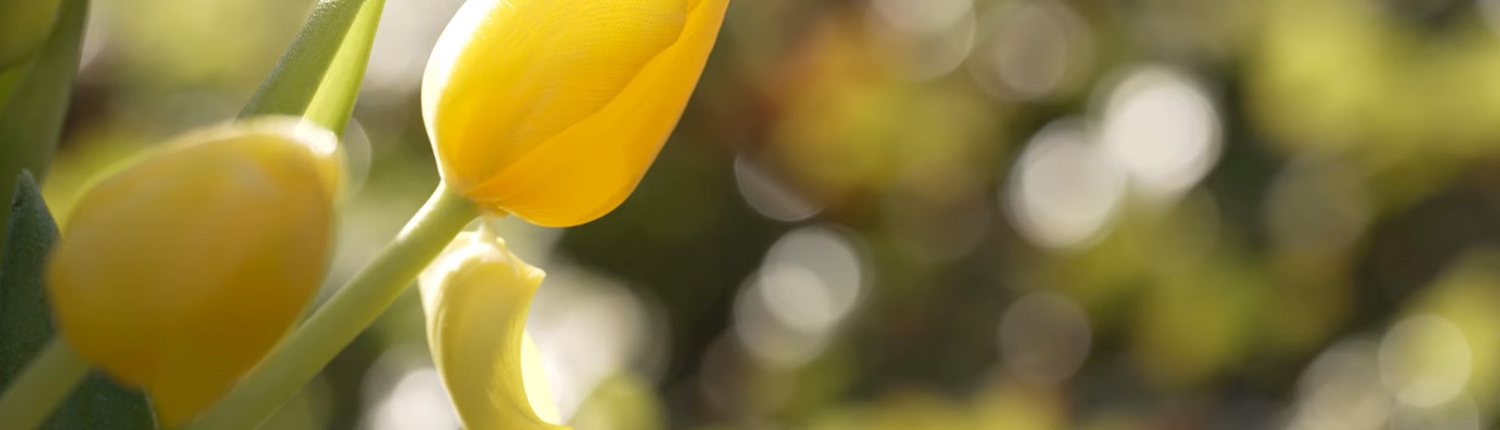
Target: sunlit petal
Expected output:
[476,297]
[552,111]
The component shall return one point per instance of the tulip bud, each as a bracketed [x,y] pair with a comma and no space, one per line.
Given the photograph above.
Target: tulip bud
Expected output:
[181,271]
[24,25]
[476,296]
[553,110]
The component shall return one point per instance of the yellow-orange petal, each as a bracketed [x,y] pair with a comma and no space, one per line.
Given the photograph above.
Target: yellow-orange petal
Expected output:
[557,124]
[507,75]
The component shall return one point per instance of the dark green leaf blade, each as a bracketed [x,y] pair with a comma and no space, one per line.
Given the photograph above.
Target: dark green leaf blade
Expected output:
[103,404]
[31,118]
[26,321]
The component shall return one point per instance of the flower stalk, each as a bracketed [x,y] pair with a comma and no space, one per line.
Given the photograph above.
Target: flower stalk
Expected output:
[339,321]
[45,383]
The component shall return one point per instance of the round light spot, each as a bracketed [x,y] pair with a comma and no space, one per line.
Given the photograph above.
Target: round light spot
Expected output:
[1029,49]
[768,195]
[1425,360]
[1044,338]
[417,400]
[922,16]
[1459,414]
[1318,206]
[588,328]
[767,339]
[811,280]
[1063,191]
[1163,128]
[1341,390]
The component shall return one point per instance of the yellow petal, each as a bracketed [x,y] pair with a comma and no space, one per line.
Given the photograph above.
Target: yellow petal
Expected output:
[553,110]
[533,68]
[538,388]
[179,272]
[476,296]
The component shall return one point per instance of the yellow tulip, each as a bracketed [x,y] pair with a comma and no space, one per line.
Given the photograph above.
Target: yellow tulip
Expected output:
[24,25]
[552,110]
[476,296]
[181,271]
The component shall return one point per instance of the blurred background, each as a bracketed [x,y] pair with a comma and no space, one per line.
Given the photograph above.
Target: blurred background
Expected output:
[948,214]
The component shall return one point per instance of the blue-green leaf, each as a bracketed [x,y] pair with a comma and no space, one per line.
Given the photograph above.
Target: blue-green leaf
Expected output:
[31,117]
[26,322]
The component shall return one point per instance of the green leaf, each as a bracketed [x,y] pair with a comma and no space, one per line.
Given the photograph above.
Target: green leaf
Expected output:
[102,404]
[334,102]
[31,119]
[295,79]
[26,322]
[10,79]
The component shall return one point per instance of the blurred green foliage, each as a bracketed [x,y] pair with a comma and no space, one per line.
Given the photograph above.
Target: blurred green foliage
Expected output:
[1269,214]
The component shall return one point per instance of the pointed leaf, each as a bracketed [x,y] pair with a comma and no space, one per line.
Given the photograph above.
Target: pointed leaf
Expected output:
[31,118]
[103,404]
[26,322]
[334,102]
[295,80]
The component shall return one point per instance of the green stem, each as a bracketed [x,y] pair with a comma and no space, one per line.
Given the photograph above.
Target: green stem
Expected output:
[302,355]
[45,383]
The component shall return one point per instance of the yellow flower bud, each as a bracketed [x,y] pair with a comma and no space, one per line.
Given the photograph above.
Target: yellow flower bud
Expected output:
[476,296]
[181,271]
[24,25]
[552,110]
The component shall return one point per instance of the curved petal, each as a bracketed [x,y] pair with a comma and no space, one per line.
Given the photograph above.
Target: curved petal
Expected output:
[476,297]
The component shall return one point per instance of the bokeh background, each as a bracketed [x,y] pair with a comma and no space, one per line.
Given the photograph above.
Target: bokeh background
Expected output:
[948,214]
